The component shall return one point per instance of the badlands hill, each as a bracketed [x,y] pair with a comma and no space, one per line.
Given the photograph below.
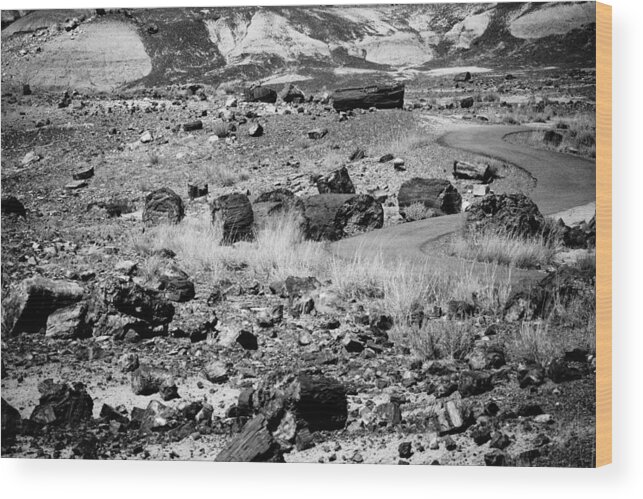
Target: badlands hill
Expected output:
[105,50]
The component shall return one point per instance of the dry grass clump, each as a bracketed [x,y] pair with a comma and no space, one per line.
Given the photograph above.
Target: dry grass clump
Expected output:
[220,128]
[224,175]
[505,248]
[277,251]
[417,211]
[403,142]
[442,339]
[153,158]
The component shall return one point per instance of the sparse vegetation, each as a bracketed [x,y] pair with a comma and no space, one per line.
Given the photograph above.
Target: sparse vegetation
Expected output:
[417,211]
[505,248]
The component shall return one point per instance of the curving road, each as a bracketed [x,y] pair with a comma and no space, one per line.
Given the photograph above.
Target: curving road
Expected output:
[562,182]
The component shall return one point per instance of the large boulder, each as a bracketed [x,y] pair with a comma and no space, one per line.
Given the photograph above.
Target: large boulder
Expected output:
[334,216]
[555,293]
[69,322]
[257,93]
[11,421]
[29,304]
[175,284]
[436,194]
[235,212]
[378,96]
[148,305]
[336,182]
[275,203]
[62,404]
[163,206]
[510,213]
[11,204]
[292,94]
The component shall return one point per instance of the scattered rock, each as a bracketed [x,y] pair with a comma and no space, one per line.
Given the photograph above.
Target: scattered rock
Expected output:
[150,380]
[336,182]
[163,206]
[235,212]
[215,372]
[512,213]
[317,133]
[255,130]
[84,173]
[437,194]
[62,404]
[11,205]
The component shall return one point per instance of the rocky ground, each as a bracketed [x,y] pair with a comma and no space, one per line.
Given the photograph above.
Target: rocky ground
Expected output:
[126,339]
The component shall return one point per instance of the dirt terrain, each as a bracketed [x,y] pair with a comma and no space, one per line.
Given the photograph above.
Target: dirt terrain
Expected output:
[170,333]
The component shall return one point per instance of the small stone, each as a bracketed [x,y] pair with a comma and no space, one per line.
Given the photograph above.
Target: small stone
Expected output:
[398,164]
[76,184]
[84,173]
[216,372]
[146,137]
[126,267]
[30,157]
[128,362]
[317,133]
[255,130]
[405,450]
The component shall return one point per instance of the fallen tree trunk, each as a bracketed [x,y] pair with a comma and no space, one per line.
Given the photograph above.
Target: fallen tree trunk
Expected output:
[254,444]
[472,171]
[237,216]
[434,193]
[333,216]
[379,96]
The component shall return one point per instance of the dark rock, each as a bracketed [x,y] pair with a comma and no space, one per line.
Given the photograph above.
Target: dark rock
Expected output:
[437,194]
[560,371]
[481,434]
[533,376]
[29,304]
[143,303]
[375,96]
[175,284]
[108,413]
[61,404]
[83,174]
[336,182]
[357,154]
[405,450]
[192,126]
[317,133]
[255,130]
[255,443]
[163,205]
[472,171]
[157,417]
[86,447]
[499,440]
[552,138]
[11,422]
[508,213]
[558,290]
[386,158]
[215,372]
[292,94]
[495,458]
[529,409]
[69,322]
[148,380]
[462,77]
[474,383]
[333,216]
[257,93]
[466,102]
[235,212]
[11,205]
[197,190]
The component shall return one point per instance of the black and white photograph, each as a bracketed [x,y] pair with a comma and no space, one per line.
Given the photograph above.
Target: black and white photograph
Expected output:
[330,234]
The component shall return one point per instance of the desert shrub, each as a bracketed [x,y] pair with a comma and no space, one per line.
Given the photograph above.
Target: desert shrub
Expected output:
[153,158]
[417,211]
[533,342]
[225,176]
[220,128]
[506,247]
[402,142]
[439,339]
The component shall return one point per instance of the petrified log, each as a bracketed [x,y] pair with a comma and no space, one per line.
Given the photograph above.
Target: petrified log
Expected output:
[236,213]
[510,213]
[197,190]
[437,194]
[472,171]
[191,126]
[336,182]
[258,93]
[163,205]
[333,216]
[29,304]
[254,444]
[379,96]
[462,77]
[319,402]
[466,102]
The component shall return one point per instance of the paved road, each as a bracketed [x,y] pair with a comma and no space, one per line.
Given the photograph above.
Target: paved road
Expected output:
[562,182]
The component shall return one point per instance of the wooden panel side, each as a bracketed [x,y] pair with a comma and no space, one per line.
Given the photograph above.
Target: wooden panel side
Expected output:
[603,234]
